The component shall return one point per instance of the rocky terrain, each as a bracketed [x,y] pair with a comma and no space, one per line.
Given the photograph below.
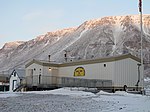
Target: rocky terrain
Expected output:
[107,36]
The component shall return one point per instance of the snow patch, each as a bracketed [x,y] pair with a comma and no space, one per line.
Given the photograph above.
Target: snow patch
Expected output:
[65,91]
[147,79]
[105,102]
[9,94]
[124,102]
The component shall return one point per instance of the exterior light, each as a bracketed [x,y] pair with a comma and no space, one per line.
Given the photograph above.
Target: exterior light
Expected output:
[50,69]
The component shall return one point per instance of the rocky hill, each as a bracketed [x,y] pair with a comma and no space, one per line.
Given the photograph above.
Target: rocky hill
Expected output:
[96,38]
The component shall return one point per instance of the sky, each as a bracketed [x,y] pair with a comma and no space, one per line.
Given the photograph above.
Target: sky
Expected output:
[22,20]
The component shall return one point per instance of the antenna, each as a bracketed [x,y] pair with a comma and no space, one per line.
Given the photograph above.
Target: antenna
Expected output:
[66,55]
[141,26]
[49,58]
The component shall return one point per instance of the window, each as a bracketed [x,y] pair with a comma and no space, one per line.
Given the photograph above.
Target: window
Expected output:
[40,71]
[14,74]
[104,65]
[34,69]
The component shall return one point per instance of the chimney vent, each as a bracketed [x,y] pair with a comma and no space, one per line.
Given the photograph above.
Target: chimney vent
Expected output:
[49,58]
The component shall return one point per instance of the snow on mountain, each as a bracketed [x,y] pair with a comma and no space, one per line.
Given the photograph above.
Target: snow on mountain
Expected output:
[8,48]
[12,45]
[96,38]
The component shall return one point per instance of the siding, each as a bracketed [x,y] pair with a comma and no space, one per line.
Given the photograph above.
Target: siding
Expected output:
[33,79]
[121,72]
[92,71]
[38,69]
[126,73]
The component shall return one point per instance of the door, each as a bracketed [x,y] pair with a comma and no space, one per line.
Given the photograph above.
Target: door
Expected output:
[29,78]
[14,84]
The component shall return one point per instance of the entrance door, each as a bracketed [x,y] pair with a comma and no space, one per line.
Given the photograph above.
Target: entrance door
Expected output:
[29,78]
[14,84]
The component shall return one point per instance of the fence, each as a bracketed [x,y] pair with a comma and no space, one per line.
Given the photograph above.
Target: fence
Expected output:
[147,88]
[54,81]
[4,79]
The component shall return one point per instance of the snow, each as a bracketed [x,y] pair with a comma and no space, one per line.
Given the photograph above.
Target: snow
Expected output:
[8,94]
[75,39]
[66,91]
[71,99]
[147,79]
[125,102]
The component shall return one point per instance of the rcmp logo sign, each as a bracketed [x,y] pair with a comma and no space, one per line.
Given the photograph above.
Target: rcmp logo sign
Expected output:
[79,71]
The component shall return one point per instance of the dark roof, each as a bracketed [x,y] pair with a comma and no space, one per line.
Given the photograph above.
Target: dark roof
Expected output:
[101,60]
[42,62]
[83,62]
[20,73]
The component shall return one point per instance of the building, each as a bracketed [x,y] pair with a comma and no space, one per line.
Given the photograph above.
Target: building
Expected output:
[16,78]
[4,82]
[115,73]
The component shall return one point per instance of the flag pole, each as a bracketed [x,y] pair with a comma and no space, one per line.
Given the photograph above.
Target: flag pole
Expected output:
[142,61]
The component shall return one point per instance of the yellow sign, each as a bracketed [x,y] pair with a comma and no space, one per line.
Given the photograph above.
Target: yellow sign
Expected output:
[79,71]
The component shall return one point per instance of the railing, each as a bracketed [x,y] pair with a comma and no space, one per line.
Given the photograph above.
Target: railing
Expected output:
[18,88]
[65,82]
[147,88]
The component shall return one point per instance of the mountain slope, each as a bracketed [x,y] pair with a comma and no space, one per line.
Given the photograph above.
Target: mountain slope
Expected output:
[97,38]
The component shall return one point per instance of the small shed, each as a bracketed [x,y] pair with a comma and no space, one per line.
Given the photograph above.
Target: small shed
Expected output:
[16,77]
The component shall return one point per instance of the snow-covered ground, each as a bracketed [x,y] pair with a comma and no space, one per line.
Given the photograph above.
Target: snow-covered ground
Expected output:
[71,100]
[8,94]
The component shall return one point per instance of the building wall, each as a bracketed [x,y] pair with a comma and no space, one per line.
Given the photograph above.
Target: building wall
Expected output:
[121,72]
[41,70]
[92,71]
[50,75]
[38,74]
[126,73]
[33,73]
[36,68]
[50,71]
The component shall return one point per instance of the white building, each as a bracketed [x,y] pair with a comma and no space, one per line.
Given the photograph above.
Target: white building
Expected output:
[106,73]
[4,82]
[15,79]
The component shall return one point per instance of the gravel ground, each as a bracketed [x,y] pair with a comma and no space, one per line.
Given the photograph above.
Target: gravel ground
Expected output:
[51,103]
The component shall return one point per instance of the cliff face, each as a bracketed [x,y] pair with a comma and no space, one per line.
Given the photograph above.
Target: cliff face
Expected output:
[97,38]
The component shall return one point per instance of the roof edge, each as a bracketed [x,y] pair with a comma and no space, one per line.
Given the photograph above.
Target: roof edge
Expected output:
[87,61]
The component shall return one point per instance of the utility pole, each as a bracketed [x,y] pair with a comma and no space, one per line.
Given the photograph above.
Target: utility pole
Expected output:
[141,24]
[137,84]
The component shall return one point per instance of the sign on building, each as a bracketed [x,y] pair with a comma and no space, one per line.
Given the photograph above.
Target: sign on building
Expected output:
[79,71]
